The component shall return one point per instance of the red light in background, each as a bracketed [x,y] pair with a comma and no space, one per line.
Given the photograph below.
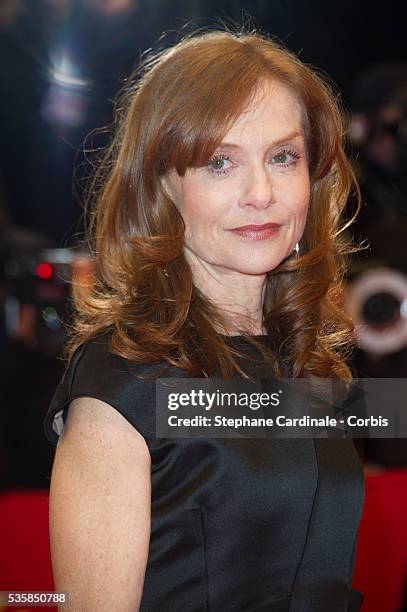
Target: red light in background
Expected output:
[44,270]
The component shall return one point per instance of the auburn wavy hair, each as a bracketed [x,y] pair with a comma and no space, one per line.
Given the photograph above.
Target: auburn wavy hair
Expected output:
[173,113]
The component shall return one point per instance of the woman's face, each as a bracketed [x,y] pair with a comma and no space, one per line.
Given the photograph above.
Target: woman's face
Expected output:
[258,175]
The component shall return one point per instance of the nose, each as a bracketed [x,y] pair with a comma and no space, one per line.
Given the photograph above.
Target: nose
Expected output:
[259,188]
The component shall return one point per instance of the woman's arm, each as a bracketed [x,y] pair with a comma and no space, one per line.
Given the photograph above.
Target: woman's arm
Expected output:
[100,507]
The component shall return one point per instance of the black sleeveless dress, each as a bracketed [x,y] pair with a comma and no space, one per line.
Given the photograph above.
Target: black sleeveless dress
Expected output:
[238,525]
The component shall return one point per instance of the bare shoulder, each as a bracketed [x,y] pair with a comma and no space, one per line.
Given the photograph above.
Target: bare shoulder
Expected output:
[93,422]
[100,506]
[99,449]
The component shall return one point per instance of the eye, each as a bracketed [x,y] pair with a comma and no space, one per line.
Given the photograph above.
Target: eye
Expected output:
[220,164]
[286,158]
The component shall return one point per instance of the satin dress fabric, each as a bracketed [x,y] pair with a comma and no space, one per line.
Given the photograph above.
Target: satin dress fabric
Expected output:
[238,524]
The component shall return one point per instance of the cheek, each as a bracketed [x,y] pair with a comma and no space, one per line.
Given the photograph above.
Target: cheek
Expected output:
[201,208]
[299,201]
[302,213]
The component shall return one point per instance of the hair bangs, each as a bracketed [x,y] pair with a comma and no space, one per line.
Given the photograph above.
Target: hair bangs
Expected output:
[205,112]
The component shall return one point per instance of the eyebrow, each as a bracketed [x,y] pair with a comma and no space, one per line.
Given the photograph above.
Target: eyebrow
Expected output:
[287,138]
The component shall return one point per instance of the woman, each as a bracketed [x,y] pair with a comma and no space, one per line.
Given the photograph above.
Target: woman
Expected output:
[218,252]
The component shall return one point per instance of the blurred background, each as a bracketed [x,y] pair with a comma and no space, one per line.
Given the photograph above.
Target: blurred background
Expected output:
[62,62]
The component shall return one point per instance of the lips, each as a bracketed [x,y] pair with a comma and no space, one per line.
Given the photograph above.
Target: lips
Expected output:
[257,232]
[256,228]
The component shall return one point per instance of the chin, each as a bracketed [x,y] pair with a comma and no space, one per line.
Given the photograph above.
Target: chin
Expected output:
[257,270]
[261,265]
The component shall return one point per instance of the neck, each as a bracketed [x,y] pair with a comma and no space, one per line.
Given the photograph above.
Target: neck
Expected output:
[238,297]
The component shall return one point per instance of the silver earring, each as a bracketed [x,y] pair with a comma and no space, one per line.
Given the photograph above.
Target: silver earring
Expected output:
[297,249]
[165,273]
